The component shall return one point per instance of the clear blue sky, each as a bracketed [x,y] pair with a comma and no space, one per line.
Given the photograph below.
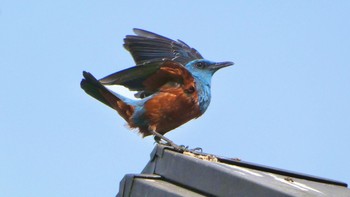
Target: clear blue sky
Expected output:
[285,103]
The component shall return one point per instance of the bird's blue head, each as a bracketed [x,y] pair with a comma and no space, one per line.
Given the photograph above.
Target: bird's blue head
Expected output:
[205,69]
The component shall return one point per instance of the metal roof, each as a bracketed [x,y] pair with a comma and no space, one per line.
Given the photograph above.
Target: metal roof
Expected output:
[173,173]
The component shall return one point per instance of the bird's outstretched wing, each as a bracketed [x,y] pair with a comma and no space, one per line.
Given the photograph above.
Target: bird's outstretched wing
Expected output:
[146,46]
[149,78]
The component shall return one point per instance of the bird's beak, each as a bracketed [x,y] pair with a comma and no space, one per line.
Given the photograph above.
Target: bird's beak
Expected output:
[216,66]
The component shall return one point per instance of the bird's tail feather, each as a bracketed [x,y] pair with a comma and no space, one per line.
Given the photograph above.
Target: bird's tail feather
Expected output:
[95,89]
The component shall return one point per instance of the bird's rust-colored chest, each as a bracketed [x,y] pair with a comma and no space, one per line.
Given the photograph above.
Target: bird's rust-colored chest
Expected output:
[172,107]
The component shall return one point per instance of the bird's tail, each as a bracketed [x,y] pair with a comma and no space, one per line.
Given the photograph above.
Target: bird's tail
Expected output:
[95,89]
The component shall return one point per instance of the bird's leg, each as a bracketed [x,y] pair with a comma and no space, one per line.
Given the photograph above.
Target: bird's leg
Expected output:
[158,137]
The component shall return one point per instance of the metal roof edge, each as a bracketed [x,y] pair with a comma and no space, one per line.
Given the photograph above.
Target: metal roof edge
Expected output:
[158,151]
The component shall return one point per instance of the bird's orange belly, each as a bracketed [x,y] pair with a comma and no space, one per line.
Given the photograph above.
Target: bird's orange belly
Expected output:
[168,110]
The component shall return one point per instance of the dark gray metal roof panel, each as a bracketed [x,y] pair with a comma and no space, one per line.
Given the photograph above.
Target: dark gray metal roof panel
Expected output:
[226,177]
[151,185]
[159,149]
[281,171]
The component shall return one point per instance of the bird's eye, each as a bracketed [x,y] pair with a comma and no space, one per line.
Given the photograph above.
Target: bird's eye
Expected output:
[200,65]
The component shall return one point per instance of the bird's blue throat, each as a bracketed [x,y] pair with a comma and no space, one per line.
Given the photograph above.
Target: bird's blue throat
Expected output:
[204,94]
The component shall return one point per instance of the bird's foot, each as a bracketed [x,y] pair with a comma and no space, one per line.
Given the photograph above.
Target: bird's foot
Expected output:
[181,148]
[197,149]
[159,137]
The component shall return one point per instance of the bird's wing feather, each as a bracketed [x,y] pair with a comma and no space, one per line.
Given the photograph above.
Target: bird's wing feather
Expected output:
[133,77]
[169,72]
[146,46]
[151,77]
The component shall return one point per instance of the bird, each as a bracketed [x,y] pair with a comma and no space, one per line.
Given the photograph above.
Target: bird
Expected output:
[172,81]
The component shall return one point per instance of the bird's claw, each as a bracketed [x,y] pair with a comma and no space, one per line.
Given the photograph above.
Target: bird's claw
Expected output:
[160,139]
[171,144]
[182,148]
[197,149]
